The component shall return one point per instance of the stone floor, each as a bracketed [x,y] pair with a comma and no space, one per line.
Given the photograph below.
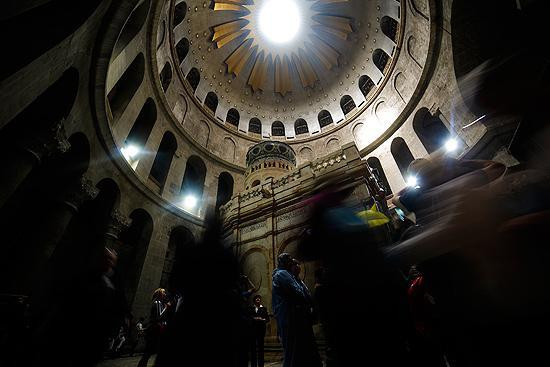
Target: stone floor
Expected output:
[133,361]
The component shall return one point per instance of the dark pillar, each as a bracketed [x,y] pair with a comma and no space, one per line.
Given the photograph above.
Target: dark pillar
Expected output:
[27,154]
[117,224]
[31,261]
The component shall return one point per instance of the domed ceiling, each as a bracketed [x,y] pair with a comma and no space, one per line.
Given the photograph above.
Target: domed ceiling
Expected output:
[296,68]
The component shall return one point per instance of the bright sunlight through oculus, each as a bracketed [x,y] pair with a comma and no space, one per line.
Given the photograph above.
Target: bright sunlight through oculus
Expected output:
[280,20]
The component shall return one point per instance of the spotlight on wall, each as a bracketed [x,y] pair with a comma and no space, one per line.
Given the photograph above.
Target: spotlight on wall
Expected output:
[412,181]
[189,202]
[451,145]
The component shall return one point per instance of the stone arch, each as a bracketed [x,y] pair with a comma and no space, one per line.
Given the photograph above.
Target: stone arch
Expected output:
[161,33]
[290,245]
[141,130]
[131,28]
[193,78]
[412,49]
[135,243]
[431,131]
[324,118]
[110,193]
[166,76]
[233,117]
[401,154]
[381,59]
[389,27]
[307,154]
[332,145]
[347,104]
[358,131]
[77,158]
[123,91]
[211,102]
[255,126]
[200,131]
[180,241]
[225,189]
[366,85]
[399,82]
[254,264]
[378,172]
[278,129]
[35,31]
[180,11]
[228,149]
[182,49]
[194,178]
[163,159]
[180,109]
[300,127]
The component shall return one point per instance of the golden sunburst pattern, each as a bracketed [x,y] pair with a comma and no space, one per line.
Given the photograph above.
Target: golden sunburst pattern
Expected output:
[272,65]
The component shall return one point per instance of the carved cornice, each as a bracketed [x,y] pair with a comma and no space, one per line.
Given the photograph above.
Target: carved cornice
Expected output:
[81,191]
[118,223]
[49,142]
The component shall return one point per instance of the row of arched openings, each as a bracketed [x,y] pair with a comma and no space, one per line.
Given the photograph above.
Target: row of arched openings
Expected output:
[431,132]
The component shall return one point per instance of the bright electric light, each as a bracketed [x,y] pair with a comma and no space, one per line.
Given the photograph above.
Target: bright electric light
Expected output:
[189,202]
[132,151]
[412,181]
[280,20]
[451,145]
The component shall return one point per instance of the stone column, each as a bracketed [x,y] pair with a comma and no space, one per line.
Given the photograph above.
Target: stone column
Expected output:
[26,154]
[48,233]
[117,224]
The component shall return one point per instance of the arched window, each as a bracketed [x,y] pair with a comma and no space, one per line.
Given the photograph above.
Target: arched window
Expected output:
[180,11]
[347,104]
[225,189]
[278,129]
[181,240]
[193,77]
[325,118]
[389,27]
[123,91]
[166,76]
[255,126]
[182,49]
[402,155]
[300,127]
[132,254]
[233,117]
[256,183]
[366,85]
[380,59]
[35,31]
[131,28]
[163,159]
[211,101]
[431,131]
[193,178]
[379,174]
[143,125]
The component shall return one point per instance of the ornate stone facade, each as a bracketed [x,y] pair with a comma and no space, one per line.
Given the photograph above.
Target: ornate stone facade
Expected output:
[266,220]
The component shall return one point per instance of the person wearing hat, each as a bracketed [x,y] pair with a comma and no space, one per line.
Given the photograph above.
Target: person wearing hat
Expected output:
[289,301]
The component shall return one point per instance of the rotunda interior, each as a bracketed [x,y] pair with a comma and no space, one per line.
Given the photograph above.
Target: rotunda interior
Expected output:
[397,150]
